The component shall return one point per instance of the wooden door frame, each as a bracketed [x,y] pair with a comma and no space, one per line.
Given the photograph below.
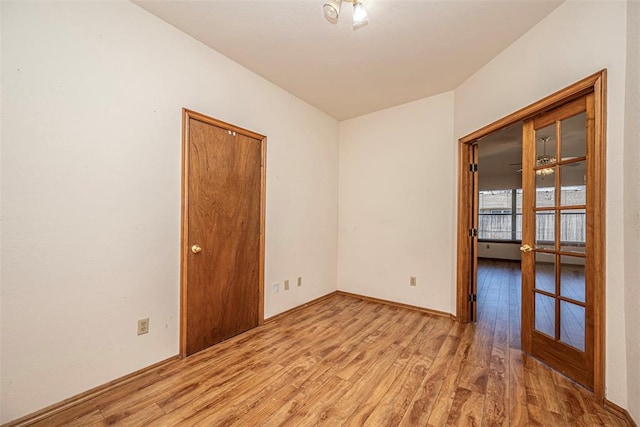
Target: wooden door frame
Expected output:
[473,302]
[184,228]
[595,83]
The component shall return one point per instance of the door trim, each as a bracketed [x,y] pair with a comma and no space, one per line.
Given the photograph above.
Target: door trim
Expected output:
[184,224]
[596,84]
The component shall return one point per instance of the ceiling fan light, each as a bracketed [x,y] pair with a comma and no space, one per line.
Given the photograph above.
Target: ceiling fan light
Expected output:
[544,172]
[360,18]
[545,160]
[331,10]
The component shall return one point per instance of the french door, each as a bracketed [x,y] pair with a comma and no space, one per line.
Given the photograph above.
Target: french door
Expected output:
[559,237]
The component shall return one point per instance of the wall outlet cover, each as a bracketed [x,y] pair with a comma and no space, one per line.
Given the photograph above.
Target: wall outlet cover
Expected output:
[143,326]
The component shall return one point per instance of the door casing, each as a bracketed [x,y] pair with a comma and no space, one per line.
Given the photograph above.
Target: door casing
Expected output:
[187,115]
[596,84]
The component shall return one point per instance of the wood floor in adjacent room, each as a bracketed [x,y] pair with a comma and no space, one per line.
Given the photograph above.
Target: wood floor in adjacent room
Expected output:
[345,361]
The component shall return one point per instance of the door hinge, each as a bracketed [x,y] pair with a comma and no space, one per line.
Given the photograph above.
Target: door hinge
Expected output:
[473,298]
[473,232]
[473,167]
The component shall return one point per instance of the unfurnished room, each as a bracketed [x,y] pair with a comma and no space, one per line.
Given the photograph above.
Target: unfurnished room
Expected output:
[319,212]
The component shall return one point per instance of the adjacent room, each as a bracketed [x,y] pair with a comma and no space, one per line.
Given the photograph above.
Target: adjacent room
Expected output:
[356,212]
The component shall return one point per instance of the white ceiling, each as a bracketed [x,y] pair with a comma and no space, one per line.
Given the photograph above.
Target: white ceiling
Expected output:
[501,153]
[409,50]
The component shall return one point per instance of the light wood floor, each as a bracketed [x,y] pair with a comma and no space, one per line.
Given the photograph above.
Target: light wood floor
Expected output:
[496,277]
[345,361]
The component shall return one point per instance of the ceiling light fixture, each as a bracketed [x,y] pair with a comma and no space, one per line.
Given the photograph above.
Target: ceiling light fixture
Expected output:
[545,160]
[331,10]
[360,17]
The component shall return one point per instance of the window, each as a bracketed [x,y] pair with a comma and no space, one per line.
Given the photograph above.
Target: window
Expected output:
[500,216]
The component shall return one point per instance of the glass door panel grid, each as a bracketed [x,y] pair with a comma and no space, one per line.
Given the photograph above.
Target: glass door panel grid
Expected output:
[560,235]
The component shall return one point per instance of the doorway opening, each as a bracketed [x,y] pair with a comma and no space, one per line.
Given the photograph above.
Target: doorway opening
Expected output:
[547,342]
[499,224]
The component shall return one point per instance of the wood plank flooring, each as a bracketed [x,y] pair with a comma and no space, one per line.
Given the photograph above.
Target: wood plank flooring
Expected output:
[349,362]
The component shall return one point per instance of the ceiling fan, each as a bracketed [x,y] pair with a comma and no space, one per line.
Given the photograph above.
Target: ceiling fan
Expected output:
[545,160]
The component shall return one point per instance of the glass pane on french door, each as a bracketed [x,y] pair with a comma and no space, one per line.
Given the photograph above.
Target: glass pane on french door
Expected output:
[545,308]
[572,278]
[572,325]
[573,189]
[574,137]
[545,279]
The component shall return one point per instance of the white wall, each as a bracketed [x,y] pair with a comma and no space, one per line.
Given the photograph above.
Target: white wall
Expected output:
[632,208]
[495,250]
[396,208]
[575,40]
[91,154]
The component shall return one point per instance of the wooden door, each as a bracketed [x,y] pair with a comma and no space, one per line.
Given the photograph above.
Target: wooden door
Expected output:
[222,236]
[559,221]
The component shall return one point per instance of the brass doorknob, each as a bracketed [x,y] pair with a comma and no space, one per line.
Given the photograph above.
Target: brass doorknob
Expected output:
[196,249]
[526,248]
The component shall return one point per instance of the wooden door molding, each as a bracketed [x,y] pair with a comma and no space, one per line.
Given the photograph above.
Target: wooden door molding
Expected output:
[473,236]
[596,84]
[188,115]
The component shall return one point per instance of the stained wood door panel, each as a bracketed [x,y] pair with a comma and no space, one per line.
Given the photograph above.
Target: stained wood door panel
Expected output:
[568,360]
[224,202]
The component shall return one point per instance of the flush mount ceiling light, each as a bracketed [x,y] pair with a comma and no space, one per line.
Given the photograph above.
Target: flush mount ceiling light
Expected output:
[331,10]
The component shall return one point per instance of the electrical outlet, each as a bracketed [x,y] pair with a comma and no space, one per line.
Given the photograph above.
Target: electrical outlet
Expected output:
[286,285]
[412,281]
[300,281]
[276,287]
[143,326]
